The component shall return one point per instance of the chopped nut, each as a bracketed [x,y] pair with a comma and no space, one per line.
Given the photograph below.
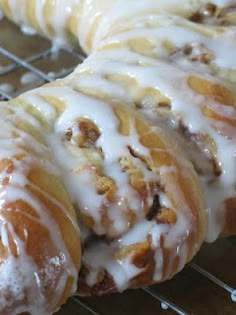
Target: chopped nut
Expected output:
[8,165]
[197,17]
[90,132]
[135,250]
[210,9]
[167,216]
[187,49]
[5,181]
[87,133]
[106,186]
[68,134]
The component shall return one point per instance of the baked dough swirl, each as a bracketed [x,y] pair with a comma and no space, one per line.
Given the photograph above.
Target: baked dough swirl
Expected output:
[143,132]
[40,238]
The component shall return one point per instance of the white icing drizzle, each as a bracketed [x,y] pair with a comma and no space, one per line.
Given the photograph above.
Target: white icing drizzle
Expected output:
[112,145]
[117,13]
[29,78]
[59,19]
[28,30]
[178,32]
[18,13]
[112,14]
[80,182]
[107,29]
[102,257]
[20,277]
[164,306]
[233,296]
[158,75]
[7,87]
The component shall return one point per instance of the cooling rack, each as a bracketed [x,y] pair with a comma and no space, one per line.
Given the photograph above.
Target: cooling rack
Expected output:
[205,287]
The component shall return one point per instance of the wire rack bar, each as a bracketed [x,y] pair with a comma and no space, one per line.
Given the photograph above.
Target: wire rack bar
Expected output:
[62,73]
[165,302]
[41,55]
[74,53]
[11,67]
[25,64]
[86,305]
[214,279]
[5,95]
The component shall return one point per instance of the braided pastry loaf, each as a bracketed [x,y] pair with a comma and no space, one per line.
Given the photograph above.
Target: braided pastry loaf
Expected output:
[143,131]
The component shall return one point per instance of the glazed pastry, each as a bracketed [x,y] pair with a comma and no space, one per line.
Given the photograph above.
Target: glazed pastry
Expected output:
[197,110]
[40,238]
[155,97]
[91,21]
[139,202]
[160,30]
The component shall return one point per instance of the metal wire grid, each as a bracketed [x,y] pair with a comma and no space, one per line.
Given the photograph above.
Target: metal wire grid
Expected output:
[17,62]
[167,305]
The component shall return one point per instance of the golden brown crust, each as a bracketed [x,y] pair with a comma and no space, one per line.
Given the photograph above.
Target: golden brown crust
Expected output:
[40,239]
